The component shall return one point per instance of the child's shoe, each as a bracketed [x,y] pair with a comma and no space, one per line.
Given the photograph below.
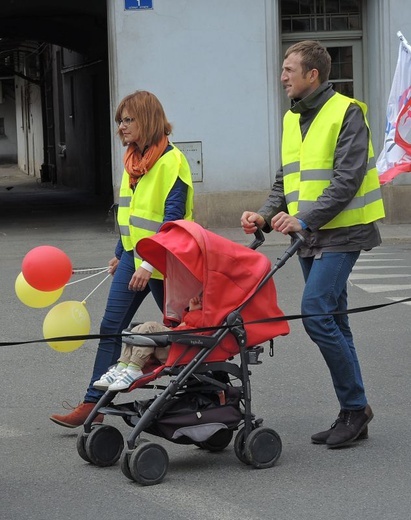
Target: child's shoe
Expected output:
[107,379]
[125,379]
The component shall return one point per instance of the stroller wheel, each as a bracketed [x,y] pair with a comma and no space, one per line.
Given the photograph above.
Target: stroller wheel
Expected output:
[125,459]
[148,463]
[81,447]
[239,447]
[262,448]
[218,441]
[124,464]
[104,445]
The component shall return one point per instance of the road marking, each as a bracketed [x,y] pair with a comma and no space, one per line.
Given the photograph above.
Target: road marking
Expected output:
[397,298]
[370,253]
[362,276]
[377,288]
[366,267]
[379,260]
[393,266]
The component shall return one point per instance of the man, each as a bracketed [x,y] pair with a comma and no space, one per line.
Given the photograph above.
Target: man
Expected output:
[327,189]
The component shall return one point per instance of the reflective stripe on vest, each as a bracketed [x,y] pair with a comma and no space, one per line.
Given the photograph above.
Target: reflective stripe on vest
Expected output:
[123,212]
[308,166]
[143,223]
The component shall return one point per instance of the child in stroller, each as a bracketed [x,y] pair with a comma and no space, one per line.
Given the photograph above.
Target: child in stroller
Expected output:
[133,358]
[208,396]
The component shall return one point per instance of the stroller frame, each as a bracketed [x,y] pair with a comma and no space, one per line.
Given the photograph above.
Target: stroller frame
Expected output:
[147,462]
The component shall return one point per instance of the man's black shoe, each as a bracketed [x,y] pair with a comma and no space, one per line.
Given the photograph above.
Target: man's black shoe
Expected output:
[321,437]
[350,425]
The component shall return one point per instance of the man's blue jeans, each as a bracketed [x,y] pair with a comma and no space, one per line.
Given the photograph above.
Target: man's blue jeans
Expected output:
[122,304]
[325,292]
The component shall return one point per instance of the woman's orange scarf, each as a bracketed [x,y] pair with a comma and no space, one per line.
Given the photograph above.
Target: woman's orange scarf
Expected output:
[137,164]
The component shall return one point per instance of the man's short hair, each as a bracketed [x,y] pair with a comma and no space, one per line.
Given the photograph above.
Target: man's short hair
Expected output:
[313,56]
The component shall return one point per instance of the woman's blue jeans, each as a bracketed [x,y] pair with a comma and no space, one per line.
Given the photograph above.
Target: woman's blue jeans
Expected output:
[122,304]
[326,292]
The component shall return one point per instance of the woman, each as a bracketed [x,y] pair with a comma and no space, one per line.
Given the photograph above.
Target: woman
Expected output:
[156,187]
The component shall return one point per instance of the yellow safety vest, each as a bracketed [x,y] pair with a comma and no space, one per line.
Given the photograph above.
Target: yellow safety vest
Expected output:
[141,212]
[308,165]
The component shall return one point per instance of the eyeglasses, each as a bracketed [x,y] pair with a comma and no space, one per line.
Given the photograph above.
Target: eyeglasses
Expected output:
[125,122]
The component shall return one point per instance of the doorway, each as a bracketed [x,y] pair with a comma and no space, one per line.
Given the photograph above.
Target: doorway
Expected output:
[338,26]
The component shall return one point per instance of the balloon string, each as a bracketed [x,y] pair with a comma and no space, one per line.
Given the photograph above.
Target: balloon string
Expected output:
[106,278]
[82,270]
[87,277]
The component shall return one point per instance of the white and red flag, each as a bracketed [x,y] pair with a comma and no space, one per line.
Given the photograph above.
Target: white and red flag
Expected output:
[395,157]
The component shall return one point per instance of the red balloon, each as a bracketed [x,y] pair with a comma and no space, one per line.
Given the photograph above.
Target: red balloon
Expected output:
[47,268]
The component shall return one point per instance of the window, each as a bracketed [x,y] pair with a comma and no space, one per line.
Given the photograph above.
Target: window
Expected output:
[320,15]
[2,132]
[341,74]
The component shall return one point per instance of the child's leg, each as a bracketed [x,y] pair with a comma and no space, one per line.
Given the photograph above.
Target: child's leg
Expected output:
[161,354]
[140,355]
[138,358]
[125,356]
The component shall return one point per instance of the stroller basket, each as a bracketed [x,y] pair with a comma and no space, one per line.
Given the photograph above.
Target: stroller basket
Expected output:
[197,415]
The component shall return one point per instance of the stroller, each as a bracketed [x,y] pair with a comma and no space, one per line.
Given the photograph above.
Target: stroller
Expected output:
[208,397]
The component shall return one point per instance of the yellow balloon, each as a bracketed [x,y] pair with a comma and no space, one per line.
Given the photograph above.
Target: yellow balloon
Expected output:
[69,318]
[33,297]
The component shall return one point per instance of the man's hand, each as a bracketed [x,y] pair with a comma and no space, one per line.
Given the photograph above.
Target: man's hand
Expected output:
[285,223]
[251,221]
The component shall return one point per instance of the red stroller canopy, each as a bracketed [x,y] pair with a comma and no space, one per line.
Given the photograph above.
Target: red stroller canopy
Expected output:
[193,260]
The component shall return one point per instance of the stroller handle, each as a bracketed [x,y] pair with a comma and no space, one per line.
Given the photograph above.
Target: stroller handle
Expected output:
[298,241]
[259,239]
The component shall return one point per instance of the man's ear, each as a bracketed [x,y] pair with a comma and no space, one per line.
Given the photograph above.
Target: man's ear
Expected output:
[313,75]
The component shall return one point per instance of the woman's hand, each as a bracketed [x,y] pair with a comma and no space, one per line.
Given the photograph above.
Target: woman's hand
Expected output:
[139,280]
[112,265]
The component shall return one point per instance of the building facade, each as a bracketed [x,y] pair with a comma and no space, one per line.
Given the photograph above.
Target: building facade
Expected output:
[214,65]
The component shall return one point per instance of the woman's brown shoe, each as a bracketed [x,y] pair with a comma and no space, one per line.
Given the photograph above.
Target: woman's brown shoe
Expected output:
[77,417]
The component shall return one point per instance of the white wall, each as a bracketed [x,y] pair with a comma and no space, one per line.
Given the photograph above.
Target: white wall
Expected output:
[207,63]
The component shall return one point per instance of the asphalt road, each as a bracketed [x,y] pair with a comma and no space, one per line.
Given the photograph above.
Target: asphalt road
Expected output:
[42,476]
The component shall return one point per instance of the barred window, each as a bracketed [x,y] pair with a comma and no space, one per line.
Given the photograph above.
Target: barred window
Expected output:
[320,15]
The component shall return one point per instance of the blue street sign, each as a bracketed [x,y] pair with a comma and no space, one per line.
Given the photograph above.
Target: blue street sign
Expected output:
[138,4]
